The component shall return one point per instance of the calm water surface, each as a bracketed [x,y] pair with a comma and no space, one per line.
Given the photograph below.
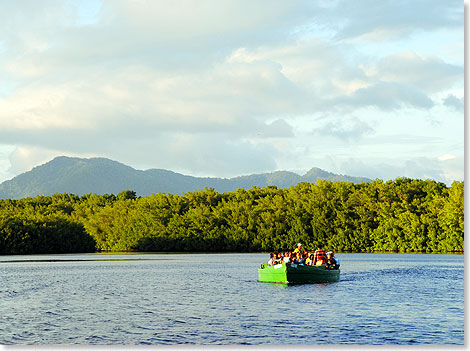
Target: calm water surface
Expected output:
[216,299]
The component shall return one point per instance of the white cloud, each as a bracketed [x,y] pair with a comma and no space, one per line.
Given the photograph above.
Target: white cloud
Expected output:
[446,157]
[427,73]
[221,87]
[24,158]
[390,19]
[414,167]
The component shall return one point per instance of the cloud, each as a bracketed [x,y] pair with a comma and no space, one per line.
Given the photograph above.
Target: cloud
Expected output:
[390,19]
[181,85]
[427,73]
[445,171]
[215,155]
[456,103]
[180,35]
[345,129]
[452,169]
[206,19]
[22,158]
[202,155]
[277,129]
[388,96]
[446,157]
[235,99]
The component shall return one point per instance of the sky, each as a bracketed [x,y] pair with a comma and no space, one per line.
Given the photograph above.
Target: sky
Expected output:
[233,87]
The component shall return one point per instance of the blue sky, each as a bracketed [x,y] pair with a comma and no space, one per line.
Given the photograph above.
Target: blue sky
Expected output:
[227,88]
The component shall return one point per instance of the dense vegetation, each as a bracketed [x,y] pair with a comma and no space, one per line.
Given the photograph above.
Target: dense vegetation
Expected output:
[404,215]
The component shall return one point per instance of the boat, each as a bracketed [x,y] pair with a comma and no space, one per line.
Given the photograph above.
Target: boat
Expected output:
[290,273]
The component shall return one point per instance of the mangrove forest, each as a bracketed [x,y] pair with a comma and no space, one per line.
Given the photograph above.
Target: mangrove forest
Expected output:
[403,215]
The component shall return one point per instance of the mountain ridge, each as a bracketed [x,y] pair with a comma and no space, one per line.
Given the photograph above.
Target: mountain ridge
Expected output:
[101,175]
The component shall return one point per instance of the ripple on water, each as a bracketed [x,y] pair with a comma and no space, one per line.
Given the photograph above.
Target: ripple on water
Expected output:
[401,299]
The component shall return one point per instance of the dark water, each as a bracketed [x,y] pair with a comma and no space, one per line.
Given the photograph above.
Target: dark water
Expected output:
[216,299]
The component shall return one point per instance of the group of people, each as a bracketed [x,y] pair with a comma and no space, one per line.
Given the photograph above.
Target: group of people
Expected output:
[301,256]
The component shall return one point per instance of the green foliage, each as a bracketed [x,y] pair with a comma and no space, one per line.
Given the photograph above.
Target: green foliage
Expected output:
[48,235]
[404,215]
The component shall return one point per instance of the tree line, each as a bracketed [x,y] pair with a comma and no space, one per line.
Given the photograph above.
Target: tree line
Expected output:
[403,215]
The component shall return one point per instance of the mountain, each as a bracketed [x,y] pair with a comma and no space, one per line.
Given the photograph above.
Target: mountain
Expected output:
[100,175]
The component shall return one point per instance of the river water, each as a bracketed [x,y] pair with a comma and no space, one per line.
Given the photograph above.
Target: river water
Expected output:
[159,299]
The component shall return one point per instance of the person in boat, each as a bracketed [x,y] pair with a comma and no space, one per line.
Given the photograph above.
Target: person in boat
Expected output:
[298,258]
[299,248]
[287,257]
[331,262]
[309,260]
[319,256]
[272,259]
[302,258]
[293,258]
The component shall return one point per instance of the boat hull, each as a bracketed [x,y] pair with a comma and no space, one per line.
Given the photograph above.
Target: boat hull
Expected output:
[289,273]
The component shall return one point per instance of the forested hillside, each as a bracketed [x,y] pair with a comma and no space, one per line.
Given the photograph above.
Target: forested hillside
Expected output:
[103,176]
[404,215]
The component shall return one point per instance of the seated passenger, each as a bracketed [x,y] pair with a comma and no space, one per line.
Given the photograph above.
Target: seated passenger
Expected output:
[287,258]
[295,258]
[309,260]
[301,258]
[272,259]
[332,263]
[319,256]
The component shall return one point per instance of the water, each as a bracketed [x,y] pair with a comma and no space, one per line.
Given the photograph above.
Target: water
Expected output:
[103,299]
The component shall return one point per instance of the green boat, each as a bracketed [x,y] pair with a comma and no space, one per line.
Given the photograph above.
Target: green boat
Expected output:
[290,273]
